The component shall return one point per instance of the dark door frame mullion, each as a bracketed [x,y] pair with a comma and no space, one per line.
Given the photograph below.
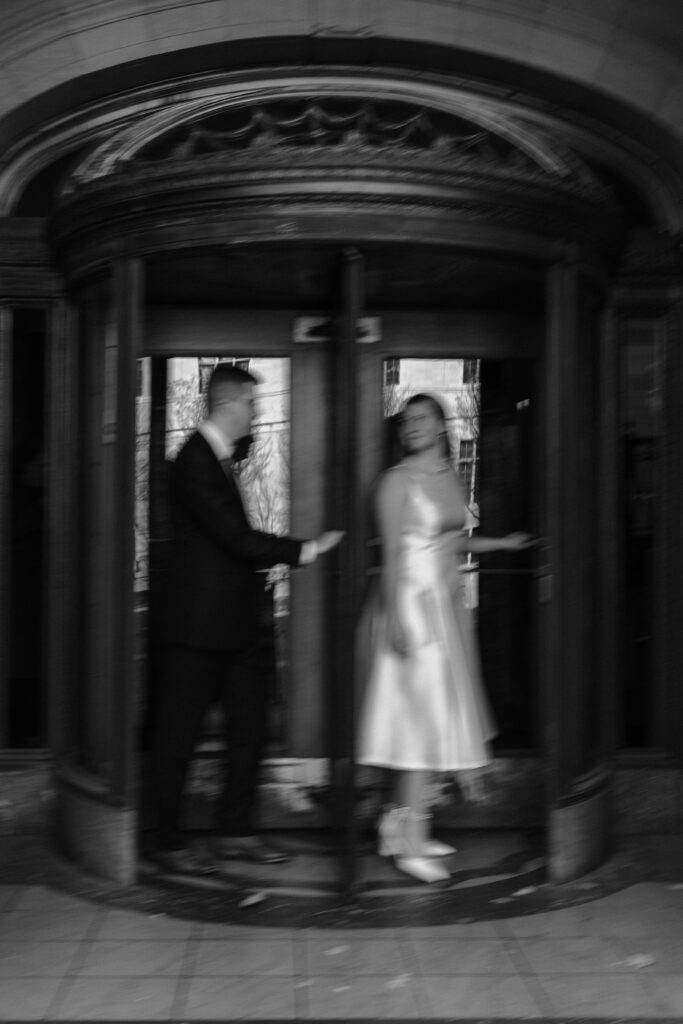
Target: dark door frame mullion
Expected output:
[128,292]
[64,570]
[346,577]
[6,414]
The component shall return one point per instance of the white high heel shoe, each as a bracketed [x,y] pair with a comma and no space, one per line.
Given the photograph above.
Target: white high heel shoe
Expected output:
[389,829]
[394,843]
[434,847]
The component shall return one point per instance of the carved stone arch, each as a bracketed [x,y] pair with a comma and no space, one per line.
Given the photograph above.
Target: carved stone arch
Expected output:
[114,128]
[487,114]
[486,165]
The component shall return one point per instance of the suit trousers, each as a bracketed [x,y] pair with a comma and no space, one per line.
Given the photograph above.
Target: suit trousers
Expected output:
[193,680]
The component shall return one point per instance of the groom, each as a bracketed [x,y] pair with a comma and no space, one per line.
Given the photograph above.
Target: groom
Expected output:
[211,627]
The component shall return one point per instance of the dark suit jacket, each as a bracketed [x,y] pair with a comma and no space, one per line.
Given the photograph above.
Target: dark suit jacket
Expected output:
[214,589]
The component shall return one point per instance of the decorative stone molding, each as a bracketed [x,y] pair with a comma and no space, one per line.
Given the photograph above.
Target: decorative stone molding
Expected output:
[338,164]
[337,130]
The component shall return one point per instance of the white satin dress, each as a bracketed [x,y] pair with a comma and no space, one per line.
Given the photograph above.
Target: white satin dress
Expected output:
[428,710]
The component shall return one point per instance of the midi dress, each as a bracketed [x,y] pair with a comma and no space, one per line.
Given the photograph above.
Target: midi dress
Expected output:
[428,710]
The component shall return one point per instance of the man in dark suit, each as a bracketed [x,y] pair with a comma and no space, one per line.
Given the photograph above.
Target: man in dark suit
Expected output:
[211,626]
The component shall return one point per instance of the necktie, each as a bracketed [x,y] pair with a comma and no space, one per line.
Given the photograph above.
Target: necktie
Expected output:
[228,467]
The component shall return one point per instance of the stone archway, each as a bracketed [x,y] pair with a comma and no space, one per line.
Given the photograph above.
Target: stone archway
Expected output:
[287,159]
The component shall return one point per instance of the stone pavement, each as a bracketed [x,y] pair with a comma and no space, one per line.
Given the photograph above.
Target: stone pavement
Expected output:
[607,947]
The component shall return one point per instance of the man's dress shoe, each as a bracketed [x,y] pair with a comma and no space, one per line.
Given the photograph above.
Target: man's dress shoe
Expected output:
[251,848]
[181,862]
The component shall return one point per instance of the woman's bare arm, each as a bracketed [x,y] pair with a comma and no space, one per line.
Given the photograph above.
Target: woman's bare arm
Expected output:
[390,501]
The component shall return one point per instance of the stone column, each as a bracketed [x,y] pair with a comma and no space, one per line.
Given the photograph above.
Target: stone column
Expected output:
[576,735]
[97,817]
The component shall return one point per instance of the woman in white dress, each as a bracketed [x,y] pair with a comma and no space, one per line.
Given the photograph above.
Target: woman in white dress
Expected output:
[425,709]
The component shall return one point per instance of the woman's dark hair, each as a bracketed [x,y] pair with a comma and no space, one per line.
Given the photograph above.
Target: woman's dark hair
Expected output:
[435,405]
[392,440]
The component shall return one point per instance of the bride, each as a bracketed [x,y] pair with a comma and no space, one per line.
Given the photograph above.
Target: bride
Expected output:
[425,709]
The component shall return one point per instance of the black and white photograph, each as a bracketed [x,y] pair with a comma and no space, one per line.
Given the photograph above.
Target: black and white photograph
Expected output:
[341,511]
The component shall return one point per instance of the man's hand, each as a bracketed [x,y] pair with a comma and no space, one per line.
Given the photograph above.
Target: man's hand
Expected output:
[328,540]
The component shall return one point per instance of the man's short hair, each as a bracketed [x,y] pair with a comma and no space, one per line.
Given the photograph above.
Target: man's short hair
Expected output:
[226,382]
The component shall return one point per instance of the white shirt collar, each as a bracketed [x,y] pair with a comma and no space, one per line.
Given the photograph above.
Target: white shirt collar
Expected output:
[219,444]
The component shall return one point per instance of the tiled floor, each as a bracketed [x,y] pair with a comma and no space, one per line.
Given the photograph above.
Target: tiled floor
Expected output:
[66,958]
[606,947]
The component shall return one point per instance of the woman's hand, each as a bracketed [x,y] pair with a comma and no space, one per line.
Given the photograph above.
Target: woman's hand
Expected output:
[518,541]
[396,635]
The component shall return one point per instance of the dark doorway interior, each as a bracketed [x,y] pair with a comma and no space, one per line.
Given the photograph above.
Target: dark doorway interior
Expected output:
[26,726]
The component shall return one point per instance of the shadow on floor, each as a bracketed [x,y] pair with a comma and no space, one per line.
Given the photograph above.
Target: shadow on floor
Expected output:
[493,875]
